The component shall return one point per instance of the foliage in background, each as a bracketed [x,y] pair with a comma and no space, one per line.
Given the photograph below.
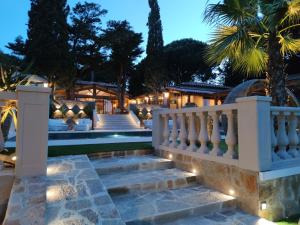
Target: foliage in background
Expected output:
[256,36]
[124,48]
[155,70]
[185,61]
[85,42]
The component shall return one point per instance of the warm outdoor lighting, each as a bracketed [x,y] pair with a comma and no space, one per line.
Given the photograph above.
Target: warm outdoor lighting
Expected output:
[166,94]
[14,158]
[170,156]
[231,192]
[147,99]
[46,85]
[263,206]
[194,171]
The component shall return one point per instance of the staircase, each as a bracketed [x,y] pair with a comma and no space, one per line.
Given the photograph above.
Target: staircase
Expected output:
[116,122]
[148,190]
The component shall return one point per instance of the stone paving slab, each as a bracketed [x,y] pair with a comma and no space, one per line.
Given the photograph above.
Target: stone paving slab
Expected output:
[129,163]
[147,180]
[151,206]
[27,202]
[76,196]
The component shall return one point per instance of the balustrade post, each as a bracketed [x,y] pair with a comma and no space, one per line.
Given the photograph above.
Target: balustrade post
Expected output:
[203,135]
[215,136]
[166,132]
[230,139]
[192,135]
[174,133]
[32,131]
[274,142]
[282,137]
[182,133]
[254,133]
[293,136]
[157,128]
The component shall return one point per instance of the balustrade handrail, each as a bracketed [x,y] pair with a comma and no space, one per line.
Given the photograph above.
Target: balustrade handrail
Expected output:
[285,109]
[6,96]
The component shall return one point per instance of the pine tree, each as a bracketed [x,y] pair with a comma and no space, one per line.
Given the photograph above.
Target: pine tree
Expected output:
[155,65]
[47,46]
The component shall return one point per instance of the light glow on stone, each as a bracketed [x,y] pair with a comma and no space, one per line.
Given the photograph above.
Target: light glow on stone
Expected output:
[14,158]
[231,192]
[170,156]
[194,171]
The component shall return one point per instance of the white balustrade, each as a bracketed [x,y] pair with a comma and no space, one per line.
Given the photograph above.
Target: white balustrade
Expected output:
[192,136]
[203,135]
[293,136]
[230,139]
[174,133]
[166,133]
[183,132]
[274,142]
[215,136]
[259,137]
[282,137]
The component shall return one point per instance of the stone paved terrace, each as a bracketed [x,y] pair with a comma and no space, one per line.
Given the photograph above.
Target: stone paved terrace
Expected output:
[74,194]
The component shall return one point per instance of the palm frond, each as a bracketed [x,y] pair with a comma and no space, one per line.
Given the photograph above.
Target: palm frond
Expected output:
[292,14]
[289,45]
[230,12]
[252,62]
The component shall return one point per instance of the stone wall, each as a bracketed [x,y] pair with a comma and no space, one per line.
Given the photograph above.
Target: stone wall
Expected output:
[282,196]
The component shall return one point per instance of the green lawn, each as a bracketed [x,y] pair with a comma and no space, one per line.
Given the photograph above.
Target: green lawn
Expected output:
[87,149]
[290,221]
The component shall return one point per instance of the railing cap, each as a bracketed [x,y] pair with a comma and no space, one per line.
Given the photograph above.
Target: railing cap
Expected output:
[254,98]
[33,89]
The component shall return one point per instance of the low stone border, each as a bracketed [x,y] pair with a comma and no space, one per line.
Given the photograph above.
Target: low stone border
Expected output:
[101,155]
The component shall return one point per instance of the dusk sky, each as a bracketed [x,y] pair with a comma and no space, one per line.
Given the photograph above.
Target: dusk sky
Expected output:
[180,18]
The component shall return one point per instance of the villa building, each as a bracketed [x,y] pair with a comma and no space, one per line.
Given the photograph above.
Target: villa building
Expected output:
[104,95]
[188,93]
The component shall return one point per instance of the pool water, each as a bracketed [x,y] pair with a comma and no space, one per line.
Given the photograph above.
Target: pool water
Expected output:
[95,135]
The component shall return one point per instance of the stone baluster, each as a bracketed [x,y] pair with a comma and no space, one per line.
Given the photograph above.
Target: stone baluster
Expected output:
[215,136]
[183,132]
[293,136]
[231,139]
[203,135]
[282,137]
[174,133]
[192,135]
[166,132]
[274,142]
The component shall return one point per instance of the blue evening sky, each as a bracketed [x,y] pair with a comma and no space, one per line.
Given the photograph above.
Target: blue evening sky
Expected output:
[180,18]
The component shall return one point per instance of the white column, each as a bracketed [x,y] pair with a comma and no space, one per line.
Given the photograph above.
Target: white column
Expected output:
[174,133]
[183,132]
[254,133]
[282,137]
[293,136]
[32,130]
[230,139]
[166,133]
[274,142]
[157,129]
[192,136]
[203,135]
[215,136]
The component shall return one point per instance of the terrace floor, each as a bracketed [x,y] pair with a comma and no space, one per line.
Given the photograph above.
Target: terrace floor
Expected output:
[132,190]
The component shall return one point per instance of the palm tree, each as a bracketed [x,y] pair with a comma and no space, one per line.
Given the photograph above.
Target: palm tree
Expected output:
[256,35]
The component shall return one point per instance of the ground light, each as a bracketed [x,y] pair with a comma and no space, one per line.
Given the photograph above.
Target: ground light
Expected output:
[170,156]
[263,205]
[194,171]
[14,158]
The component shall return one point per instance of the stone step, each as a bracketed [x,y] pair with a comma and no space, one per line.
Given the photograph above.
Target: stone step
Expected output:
[227,217]
[130,163]
[154,180]
[170,205]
